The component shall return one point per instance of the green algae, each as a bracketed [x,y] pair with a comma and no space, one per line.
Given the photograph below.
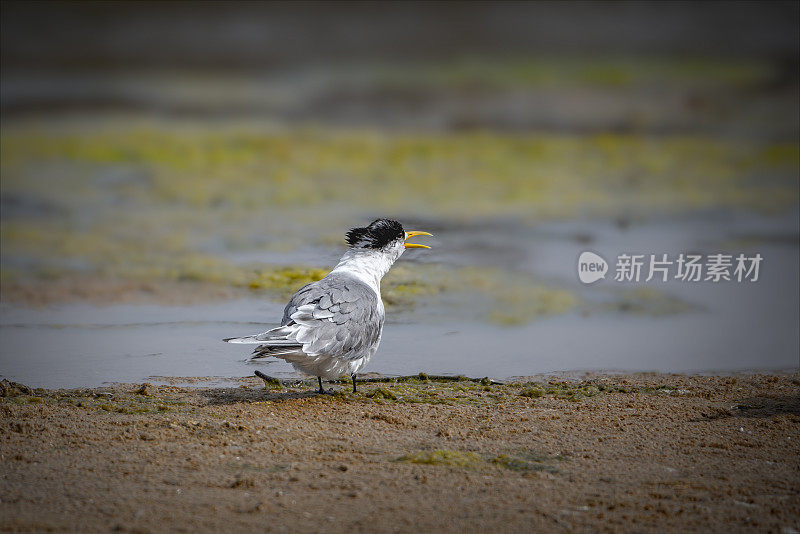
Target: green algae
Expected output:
[499,296]
[572,391]
[524,462]
[157,202]
[528,302]
[444,457]
[381,393]
[647,301]
[509,174]
[455,390]
[447,390]
[540,175]
[285,278]
[514,73]
[127,404]
[533,392]
[527,462]
[405,287]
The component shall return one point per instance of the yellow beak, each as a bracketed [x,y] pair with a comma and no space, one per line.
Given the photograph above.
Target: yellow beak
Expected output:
[415,245]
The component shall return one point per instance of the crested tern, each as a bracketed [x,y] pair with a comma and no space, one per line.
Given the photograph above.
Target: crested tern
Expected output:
[332,327]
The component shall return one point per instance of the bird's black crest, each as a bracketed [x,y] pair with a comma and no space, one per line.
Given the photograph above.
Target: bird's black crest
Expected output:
[378,234]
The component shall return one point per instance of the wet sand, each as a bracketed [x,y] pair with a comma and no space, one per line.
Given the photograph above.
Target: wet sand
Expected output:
[637,453]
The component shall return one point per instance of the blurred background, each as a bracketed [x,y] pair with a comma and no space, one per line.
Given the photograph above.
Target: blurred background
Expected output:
[172,172]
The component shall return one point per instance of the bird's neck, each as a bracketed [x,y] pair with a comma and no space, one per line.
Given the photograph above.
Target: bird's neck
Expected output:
[366,265]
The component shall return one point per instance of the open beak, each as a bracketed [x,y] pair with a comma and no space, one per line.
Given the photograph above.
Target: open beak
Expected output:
[415,245]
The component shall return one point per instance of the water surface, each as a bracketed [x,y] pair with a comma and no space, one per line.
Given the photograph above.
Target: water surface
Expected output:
[669,327]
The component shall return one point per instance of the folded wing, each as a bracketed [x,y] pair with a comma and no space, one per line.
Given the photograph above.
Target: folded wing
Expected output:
[338,317]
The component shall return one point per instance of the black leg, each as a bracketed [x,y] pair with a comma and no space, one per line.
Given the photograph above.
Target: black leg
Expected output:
[354,382]
[321,389]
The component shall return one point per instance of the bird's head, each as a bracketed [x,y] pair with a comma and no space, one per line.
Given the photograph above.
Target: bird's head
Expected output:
[384,236]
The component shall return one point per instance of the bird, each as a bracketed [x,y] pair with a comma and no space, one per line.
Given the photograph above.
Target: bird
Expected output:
[332,327]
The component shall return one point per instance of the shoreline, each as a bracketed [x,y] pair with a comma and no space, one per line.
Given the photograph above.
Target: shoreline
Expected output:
[639,452]
[297,380]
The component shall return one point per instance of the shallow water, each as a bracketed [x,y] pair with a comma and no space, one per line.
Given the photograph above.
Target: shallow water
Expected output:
[679,327]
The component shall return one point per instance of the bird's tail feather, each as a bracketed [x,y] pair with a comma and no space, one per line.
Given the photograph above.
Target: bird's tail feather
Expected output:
[276,336]
[275,342]
[258,340]
[265,351]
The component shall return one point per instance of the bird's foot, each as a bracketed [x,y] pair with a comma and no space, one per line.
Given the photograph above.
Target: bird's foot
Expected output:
[322,390]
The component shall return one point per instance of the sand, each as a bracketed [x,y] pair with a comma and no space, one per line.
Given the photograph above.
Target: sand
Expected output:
[635,453]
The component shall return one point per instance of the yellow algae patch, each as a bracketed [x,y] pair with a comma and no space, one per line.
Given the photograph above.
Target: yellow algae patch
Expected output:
[523,303]
[532,176]
[285,277]
[647,301]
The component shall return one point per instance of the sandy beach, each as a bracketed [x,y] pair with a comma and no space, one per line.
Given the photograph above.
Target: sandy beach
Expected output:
[640,453]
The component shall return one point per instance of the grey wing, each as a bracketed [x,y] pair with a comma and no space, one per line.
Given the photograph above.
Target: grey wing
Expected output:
[305,295]
[337,316]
